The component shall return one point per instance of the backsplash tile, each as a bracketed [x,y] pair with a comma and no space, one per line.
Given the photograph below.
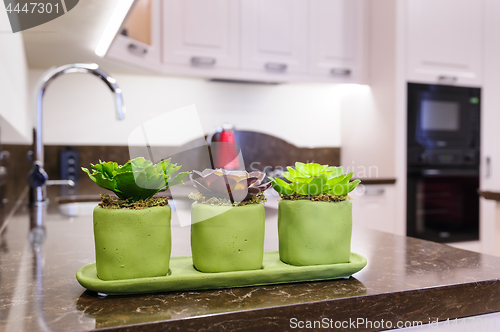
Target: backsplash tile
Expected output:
[260,151]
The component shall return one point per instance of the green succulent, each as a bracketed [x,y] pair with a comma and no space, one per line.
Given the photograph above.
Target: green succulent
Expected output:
[138,179]
[313,180]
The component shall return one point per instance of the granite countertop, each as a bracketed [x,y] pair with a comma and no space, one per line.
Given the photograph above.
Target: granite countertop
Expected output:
[406,279]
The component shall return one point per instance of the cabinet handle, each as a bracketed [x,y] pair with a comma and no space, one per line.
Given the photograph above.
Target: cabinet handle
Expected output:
[137,50]
[276,67]
[450,79]
[203,61]
[378,192]
[340,72]
[488,167]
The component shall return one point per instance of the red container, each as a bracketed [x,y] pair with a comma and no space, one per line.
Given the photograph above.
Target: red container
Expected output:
[226,153]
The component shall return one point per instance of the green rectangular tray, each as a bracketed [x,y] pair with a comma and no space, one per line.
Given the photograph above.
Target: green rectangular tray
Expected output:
[184,277]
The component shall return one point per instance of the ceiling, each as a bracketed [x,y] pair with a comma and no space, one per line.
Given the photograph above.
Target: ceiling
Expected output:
[72,38]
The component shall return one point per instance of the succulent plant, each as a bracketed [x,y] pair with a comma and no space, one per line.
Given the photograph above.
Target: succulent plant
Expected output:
[138,179]
[313,180]
[239,185]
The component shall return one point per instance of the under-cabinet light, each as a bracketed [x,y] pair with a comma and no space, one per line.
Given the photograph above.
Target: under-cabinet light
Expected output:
[114,24]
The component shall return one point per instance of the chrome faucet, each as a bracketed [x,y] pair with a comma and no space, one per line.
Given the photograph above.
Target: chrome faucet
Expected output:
[38,178]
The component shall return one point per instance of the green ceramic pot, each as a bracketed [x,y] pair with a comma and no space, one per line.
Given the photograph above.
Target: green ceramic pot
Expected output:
[227,238]
[132,243]
[314,233]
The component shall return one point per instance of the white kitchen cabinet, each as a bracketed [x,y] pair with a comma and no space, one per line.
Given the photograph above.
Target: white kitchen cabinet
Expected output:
[15,119]
[336,43]
[490,135]
[445,41]
[274,36]
[374,206]
[141,45]
[202,34]
[247,40]
[490,103]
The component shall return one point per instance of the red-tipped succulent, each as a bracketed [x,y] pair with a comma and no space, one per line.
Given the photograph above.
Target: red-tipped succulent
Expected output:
[238,185]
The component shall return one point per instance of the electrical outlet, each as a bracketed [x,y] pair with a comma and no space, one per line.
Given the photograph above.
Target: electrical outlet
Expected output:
[69,166]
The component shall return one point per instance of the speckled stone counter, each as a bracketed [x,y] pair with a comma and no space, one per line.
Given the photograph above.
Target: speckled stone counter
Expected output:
[406,279]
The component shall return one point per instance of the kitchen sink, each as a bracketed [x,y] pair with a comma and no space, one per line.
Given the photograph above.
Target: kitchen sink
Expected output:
[77,205]
[76,209]
[83,205]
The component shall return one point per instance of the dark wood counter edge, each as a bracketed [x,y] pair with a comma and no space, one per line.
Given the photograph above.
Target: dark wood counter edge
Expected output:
[424,305]
[377,181]
[489,195]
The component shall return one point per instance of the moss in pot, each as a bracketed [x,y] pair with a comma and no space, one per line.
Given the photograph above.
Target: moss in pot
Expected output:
[228,220]
[132,231]
[314,214]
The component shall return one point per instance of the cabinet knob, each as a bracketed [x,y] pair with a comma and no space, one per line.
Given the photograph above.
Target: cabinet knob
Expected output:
[276,67]
[340,72]
[203,61]
[137,50]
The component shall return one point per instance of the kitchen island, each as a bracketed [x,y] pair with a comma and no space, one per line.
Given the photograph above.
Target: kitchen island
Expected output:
[405,280]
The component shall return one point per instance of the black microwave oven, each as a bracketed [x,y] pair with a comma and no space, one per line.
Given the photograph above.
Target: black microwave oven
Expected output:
[443,125]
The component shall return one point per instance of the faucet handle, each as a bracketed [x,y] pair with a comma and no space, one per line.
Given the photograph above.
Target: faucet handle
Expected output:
[4,155]
[37,176]
[70,183]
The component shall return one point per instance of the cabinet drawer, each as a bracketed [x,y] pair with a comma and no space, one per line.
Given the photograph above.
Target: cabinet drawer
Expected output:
[374,207]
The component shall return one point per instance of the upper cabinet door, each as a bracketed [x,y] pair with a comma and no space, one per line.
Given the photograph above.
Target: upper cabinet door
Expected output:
[139,39]
[445,41]
[336,38]
[490,103]
[201,33]
[274,36]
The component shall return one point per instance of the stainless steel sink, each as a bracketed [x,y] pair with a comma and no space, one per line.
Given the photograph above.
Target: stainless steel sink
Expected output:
[76,209]
[78,205]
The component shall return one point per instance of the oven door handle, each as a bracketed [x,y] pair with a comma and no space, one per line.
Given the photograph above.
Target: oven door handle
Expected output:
[432,172]
[447,172]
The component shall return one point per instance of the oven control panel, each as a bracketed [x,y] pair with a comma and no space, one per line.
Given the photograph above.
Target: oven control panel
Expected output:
[452,157]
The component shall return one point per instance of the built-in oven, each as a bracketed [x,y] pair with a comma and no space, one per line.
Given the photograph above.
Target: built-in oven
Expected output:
[443,205]
[443,162]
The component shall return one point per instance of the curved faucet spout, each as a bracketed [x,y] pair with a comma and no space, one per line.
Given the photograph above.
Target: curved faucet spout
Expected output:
[52,74]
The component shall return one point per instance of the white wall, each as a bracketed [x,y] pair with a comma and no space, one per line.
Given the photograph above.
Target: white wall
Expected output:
[79,109]
[14,125]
